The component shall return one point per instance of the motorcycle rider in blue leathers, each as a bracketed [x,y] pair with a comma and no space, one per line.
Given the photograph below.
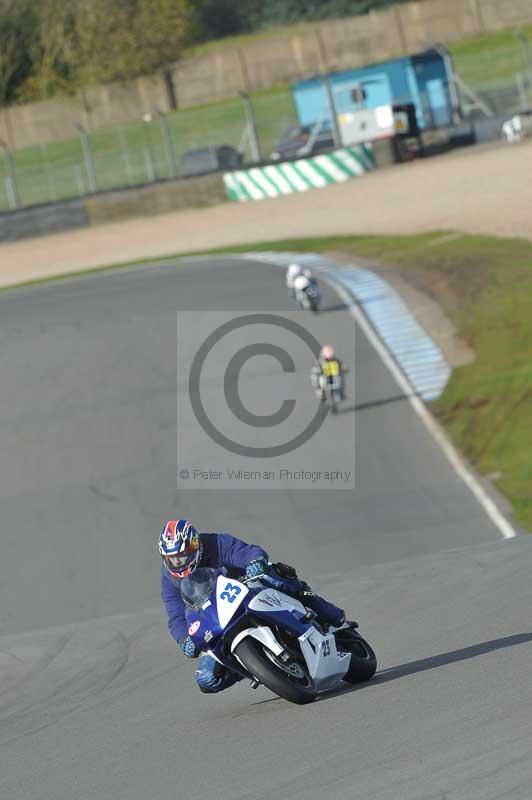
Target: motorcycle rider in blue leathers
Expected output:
[183,549]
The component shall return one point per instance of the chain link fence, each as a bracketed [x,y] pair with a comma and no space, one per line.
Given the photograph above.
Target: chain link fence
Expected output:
[498,80]
[138,153]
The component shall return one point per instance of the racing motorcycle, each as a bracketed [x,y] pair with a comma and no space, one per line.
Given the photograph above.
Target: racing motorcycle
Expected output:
[271,638]
[307,295]
[332,391]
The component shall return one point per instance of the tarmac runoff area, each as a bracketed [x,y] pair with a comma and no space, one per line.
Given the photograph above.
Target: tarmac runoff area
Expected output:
[95,701]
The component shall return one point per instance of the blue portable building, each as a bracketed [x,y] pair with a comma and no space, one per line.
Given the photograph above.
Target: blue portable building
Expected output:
[422,79]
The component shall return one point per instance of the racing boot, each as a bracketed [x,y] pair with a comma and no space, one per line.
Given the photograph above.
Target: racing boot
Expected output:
[329,616]
[213,677]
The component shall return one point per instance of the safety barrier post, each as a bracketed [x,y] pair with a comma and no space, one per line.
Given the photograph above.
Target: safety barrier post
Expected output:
[11,182]
[87,155]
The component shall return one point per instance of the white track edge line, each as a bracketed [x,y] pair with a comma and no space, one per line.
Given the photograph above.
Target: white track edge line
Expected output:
[436,431]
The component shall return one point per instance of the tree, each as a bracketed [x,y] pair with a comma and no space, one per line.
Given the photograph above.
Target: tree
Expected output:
[17,28]
[104,42]
[82,42]
[226,17]
[121,39]
[162,30]
[50,50]
[219,18]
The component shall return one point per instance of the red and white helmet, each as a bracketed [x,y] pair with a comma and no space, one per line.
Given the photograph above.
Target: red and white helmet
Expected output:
[327,352]
[180,547]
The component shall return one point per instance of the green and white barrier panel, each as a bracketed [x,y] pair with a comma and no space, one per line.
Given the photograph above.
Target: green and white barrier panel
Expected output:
[288,177]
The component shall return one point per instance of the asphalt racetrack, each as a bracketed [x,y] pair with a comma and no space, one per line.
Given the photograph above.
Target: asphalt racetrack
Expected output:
[95,699]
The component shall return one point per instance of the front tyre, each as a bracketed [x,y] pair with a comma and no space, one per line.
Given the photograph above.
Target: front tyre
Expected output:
[363,663]
[289,680]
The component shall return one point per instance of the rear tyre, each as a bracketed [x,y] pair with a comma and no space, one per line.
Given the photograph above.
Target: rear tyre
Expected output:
[363,662]
[296,686]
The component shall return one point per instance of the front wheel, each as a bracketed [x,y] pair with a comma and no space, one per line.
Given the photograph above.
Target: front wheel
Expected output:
[363,663]
[289,680]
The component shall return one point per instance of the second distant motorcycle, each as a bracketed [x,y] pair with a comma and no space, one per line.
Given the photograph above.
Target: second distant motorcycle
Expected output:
[327,378]
[307,293]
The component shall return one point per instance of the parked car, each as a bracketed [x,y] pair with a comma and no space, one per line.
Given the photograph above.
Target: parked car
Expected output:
[209,159]
[304,140]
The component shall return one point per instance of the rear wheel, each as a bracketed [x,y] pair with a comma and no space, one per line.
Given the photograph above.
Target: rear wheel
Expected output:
[363,662]
[289,679]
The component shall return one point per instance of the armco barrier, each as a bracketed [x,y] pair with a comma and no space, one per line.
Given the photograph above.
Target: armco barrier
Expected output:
[138,201]
[42,220]
[288,177]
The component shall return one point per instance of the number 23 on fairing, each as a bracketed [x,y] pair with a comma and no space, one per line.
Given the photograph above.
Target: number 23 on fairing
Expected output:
[229,595]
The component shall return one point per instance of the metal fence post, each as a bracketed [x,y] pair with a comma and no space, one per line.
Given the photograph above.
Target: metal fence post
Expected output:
[170,156]
[78,177]
[454,98]
[337,134]
[521,90]
[525,48]
[52,191]
[87,154]
[125,155]
[11,181]
[148,154]
[252,130]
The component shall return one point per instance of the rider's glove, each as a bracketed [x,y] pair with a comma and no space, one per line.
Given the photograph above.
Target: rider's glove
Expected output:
[284,570]
[255,568]
[189,648]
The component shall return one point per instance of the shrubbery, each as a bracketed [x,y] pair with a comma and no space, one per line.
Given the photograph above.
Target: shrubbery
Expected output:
[50,46]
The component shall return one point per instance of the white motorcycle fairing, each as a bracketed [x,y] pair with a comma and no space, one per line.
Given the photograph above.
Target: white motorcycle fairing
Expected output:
[326,665]
[229,595]
[263,634]
[273,600]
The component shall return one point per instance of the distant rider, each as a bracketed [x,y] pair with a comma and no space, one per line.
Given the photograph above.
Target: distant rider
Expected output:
[326,368]
[301,284]
[306,284]
[293,271]
[183,549]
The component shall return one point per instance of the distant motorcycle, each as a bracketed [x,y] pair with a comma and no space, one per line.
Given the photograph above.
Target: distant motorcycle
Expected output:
[307,294]
[271,638]
[332,391]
